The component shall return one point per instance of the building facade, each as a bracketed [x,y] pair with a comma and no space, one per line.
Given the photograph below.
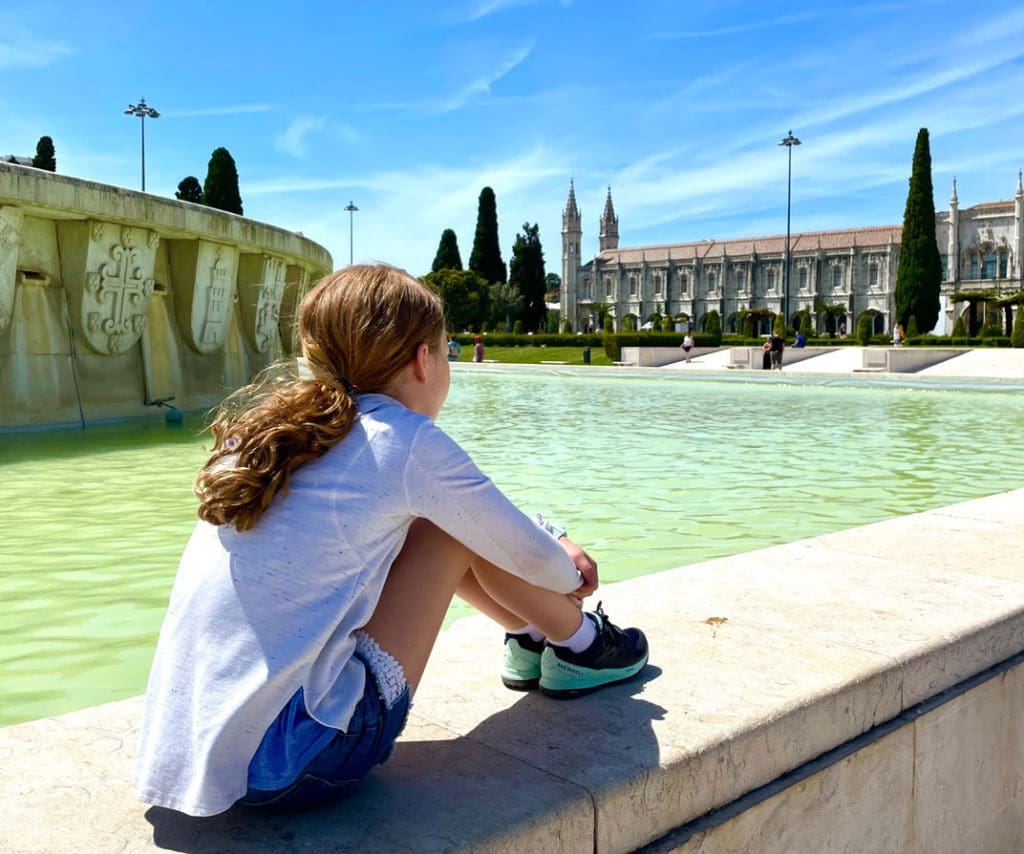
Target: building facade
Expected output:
[980,248]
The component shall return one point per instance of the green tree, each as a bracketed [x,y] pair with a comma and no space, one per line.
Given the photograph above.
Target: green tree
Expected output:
[779,326]
[832,312]
[46,157]
[993,325]
[865,329]
[517,327]
[447,257]
[220,190]
[628,324]
[465,295]
[959,327]
[911,329]
[609,324]
[527,274]
[713,324]
[553,286]
[567,326]
[920,267]
[506,303]
[485,260]
[189,190]
[1017,336]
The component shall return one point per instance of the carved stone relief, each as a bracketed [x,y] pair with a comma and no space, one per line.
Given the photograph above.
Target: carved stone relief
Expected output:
[117,286]
[261,286]
[204,276]
[11,219]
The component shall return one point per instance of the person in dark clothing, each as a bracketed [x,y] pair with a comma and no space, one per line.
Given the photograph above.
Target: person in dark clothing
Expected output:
[776,346]
[766,355]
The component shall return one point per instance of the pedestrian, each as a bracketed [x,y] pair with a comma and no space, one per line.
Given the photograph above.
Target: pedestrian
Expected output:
[478,349]
[336,521]
[776,345]
[898,335]
[454,350]
[766,355]
[687,346]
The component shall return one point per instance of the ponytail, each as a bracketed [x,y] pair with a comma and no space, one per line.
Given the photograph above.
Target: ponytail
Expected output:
[256,452]
[359,329]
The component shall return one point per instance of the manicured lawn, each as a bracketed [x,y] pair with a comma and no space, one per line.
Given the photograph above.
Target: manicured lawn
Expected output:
[536,355]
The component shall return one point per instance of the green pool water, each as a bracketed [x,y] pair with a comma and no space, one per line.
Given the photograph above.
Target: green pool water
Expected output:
[647,473]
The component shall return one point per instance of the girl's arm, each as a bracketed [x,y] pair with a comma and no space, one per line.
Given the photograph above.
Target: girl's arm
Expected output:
[444,485]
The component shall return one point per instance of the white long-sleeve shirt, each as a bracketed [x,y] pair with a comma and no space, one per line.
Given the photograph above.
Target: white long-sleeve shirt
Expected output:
[256,615]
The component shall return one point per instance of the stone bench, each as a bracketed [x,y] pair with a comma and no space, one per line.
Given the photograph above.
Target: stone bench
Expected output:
[784,693]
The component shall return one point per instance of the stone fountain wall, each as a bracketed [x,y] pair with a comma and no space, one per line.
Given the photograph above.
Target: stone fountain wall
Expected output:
[111,298]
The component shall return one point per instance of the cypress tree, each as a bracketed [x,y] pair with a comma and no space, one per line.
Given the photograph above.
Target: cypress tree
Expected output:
[485,259]
[1017,336]
[220,190]
[920,267]
[527,274]
[45,155]
[189,190]
[447,257]
[959,327]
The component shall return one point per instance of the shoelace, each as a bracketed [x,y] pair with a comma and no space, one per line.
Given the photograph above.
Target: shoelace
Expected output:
[611,634]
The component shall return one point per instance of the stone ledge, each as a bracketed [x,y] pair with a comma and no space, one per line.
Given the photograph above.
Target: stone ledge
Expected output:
[817,642]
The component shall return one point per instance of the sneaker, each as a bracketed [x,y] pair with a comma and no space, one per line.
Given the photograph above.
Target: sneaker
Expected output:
[615,656]
[522,662]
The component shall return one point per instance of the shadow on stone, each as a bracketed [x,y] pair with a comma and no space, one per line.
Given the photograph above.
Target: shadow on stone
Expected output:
[527,774]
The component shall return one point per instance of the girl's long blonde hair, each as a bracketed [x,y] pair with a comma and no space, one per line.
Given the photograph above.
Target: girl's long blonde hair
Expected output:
[359,328]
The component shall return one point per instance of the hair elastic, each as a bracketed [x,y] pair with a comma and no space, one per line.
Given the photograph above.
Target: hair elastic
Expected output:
[346,386]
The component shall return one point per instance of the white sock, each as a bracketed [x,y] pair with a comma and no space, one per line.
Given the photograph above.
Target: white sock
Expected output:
[531,630]
[582,638]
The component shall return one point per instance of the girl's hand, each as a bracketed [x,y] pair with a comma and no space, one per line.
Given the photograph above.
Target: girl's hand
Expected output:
[586,565]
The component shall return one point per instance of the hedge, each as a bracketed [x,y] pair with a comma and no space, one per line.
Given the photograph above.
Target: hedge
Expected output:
[949,341]
[509,339]
[614,343]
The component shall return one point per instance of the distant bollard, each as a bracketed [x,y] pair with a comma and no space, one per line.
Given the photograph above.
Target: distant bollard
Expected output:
[586,355]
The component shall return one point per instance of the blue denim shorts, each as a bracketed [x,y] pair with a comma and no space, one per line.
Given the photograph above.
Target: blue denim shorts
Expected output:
[347,758]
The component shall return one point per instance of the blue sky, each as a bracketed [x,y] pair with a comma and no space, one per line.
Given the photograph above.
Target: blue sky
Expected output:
[409,108]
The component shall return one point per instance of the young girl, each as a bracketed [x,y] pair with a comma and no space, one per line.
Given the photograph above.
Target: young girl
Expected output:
[336,523]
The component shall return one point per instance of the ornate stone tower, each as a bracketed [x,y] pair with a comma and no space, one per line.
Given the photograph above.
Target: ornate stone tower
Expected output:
[1018,228]
[609,236]
[572,237]
[953,247]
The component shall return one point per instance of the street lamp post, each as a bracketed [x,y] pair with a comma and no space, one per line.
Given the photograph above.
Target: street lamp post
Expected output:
[142,111]
[789,142]
[351,208]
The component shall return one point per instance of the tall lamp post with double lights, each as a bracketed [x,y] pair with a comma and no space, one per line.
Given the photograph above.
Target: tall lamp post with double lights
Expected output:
[789,142]
[143,111]
[351,208]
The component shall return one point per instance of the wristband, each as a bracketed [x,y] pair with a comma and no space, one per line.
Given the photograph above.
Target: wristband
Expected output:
[557,531]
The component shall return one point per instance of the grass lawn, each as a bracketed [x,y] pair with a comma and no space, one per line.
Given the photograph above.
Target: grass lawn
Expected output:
[536,355]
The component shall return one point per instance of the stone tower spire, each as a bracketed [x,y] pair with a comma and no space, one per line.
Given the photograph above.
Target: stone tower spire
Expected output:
[609,235]
[953,246]
[572,237]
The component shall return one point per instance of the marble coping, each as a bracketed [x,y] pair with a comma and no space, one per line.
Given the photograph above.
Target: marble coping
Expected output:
[760,662]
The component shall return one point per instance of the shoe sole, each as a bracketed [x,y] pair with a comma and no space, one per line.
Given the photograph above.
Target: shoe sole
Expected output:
[520,684]
[571,693]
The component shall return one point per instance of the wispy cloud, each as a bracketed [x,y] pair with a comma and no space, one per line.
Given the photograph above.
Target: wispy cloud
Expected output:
[483,8]
[24,51]
[768,23]
[229,110]
[449,103]
[482,85]
[293,140]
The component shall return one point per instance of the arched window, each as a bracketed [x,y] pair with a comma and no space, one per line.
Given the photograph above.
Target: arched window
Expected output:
[944,266]
[608,285]
[770,280]
[632,285]
[974,266]
[988,266]
[803,278]
[873,274]
[684,283]
[741,280]
[711,281]
[1003,262]
[586,289]
[837,277]
[657,283]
